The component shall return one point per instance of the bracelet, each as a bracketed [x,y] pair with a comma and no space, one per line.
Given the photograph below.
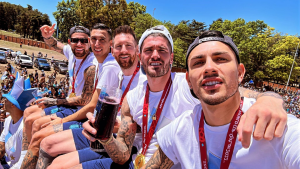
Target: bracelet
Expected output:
[48,38]
[108,141]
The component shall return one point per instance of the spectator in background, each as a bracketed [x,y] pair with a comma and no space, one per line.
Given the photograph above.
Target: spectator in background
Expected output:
[21,44]
[28,43]
[36,75]
[25,53]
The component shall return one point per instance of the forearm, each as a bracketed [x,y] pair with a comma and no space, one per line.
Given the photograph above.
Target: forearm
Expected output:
[81,114]
[159,160]
[118,151]
[2,149]
[54,44]
[73,101]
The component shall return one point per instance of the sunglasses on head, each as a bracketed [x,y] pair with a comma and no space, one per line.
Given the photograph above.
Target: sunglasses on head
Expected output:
[76,40]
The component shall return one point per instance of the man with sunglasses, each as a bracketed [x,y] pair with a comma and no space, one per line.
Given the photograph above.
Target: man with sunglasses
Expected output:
[125,51]
[165,96]
[82,67]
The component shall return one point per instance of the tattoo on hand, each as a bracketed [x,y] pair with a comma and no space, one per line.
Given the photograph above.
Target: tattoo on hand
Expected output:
[58,128]
[29,161]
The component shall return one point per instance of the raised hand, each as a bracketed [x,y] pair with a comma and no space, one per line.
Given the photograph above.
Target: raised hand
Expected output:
[47,31]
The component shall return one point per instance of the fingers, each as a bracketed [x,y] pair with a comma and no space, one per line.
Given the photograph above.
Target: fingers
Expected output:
[43,27]
[260,128]
[88,136]
[240,127]
[91,117]
[39,100]
[88,127]
[281,126]
[247,129]
[52,27]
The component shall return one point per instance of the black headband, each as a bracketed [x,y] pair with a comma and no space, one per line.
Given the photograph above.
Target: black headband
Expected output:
[227,40]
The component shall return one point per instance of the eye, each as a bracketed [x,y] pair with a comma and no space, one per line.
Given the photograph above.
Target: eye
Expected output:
[198,63]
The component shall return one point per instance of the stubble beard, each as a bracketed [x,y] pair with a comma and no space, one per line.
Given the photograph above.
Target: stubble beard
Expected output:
[165,69]
[125,64]
[80,55]
[215,100]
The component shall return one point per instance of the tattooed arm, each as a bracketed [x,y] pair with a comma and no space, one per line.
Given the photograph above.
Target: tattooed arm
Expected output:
[47,33]
[159,160]
[86,96]
[2,149]
[119,149]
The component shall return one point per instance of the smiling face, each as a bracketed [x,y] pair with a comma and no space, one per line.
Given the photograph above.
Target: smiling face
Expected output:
[79,49]
[124,50]
[156,57]
[214,73]
[100,42]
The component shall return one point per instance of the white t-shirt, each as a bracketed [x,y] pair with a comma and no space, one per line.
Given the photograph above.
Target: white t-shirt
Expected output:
[12,137]
[79,81]
[179,100]
[108,72]
[180,142]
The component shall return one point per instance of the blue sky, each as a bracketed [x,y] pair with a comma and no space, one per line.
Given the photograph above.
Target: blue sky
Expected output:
[284,16]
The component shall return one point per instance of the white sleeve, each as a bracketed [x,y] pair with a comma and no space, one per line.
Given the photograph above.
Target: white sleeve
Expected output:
[108,77]
[67,51]
[5,129]
[166,142]
[291,144]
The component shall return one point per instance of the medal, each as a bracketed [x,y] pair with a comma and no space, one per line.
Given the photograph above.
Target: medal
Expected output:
[139,161]
[72,95]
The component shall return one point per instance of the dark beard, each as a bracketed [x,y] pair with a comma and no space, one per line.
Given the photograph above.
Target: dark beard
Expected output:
[126,65]
[80,55]
[162,72]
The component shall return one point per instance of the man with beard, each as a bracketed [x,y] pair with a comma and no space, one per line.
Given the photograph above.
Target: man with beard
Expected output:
[206,136]
[163,97]
[82,65]
[11,137]
[125,51]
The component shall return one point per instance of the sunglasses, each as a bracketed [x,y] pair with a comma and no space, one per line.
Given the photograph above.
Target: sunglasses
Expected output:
[76,40]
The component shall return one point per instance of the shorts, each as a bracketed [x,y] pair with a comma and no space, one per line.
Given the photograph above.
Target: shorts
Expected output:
[61,111]
[107,163]
[73,124]
[80,141]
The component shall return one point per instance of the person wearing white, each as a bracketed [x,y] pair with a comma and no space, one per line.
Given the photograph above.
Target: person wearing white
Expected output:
[156,53]
[11,137]
[214,73]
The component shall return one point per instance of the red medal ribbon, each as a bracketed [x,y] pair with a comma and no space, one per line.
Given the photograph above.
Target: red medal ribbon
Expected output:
[128,85]
[96,82]
[148,136]
[229,142]
[73,82]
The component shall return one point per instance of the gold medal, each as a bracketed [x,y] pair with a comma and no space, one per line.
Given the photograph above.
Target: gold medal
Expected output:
[70,87]
[72,95]
[154,117]
[139,161]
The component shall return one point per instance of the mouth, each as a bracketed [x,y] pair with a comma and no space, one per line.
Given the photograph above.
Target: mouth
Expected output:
[155,64]
[124,57]
[79,50]
[211,83]
[98,50]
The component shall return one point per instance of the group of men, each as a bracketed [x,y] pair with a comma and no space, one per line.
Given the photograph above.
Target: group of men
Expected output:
[167,119]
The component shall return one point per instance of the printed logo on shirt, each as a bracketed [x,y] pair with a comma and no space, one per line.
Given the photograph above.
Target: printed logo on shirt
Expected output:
[214,161]
[71,73]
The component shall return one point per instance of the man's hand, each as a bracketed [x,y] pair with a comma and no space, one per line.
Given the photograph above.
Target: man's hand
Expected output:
[88,129]
[47,31]
[54,120]
[46,102]
[268,116]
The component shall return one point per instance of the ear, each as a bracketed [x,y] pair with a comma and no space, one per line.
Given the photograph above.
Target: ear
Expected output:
[69,41]
[112,50]
[242,71]
[188,79]
[139,55]
[110,43]
[171,59]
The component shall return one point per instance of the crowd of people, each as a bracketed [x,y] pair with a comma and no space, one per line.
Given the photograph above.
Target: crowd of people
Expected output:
[158,119]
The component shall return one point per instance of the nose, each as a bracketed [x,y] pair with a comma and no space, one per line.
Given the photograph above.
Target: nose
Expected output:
[210,66]
[79,43]
[155,54]
[123,49]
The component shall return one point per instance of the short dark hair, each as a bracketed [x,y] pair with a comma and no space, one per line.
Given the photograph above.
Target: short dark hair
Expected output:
[102,26]
[124,29]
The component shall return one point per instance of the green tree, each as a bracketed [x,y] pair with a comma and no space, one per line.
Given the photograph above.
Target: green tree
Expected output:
[66,17]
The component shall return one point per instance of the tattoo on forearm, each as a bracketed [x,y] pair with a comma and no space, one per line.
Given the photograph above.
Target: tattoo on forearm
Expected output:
[87,91]
[2,149]
[275,95]
[57,128]
[159,160]
[248,93]
[119,149]
[29,161]
[50,102]
[44,160]
[52,42]
[25,142]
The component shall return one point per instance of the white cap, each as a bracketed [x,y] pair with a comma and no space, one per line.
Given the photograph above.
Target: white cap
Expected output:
[157,29]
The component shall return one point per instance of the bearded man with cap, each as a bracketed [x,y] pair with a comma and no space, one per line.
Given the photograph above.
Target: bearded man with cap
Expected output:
[206,137]
[15,103]
[82,67]
[163,97]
